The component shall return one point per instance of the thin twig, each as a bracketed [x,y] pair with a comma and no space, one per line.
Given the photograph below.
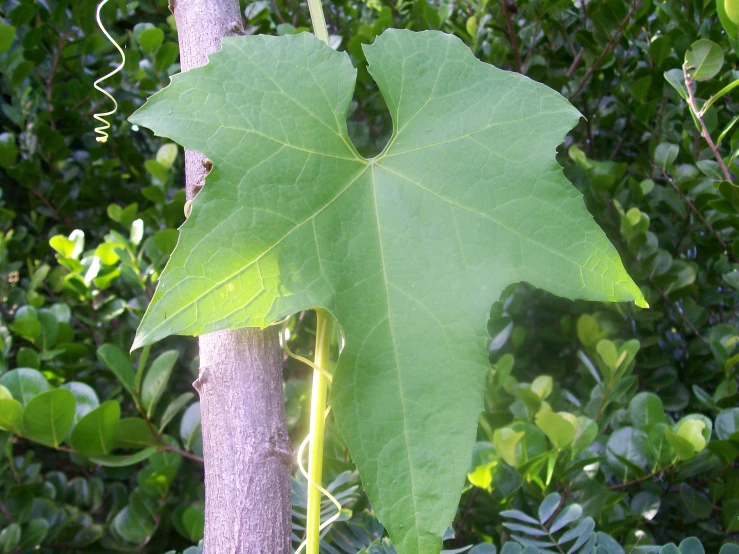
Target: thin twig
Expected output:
[537,28]
[183,453]
[511,33]
[52,74]
[699,117]
[640,479]
[679,311]
[575,62]
[6,513]
[700,216]
[607,50]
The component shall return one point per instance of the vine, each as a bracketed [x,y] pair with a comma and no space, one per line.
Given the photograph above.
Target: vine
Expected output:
[321,380]
[102,130]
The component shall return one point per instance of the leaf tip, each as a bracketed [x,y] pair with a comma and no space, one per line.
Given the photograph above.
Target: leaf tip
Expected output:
[139,341]
[642,303]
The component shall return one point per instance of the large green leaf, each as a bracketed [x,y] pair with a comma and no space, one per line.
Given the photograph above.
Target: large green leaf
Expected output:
[407,250]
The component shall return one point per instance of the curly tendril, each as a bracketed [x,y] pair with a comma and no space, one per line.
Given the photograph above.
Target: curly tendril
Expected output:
[102,130]
[306,441]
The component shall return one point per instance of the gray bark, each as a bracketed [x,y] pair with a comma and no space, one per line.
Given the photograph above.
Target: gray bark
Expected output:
[247,452]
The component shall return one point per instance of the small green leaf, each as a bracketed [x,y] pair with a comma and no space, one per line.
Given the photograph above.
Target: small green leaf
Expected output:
[133,432]
[11,415]
[155,382]
[586,431]
[120,364]
[27,324]
[570,514]
[86,399]
[646,504]
[94,433]
[519,515]
[608,353]
[62,245]
[8,147]
[484,548]
[557,428]
[692,545]
[125,460]
[531,531]
[167,154]
[629,444]
[7,34]
[697,503]
[692,431]
[582,533]
[684,449]
[174,408]
[190,425]
[193,521]
[24,383]
[542,386]
[10,538]
[132,526]
[35,533]
[505,441]
[107,253]
[588,330]
[727,423]
[150,39]
[166,56]
[49,416]
[608,545]
[705,59]
[646,409]
[665,154]
[548,506]
[676,78]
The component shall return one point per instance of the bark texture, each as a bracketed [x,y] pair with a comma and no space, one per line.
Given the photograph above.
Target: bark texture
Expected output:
[247,452]
[201,24]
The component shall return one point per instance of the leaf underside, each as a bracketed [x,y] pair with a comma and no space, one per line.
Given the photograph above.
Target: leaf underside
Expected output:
[407,250]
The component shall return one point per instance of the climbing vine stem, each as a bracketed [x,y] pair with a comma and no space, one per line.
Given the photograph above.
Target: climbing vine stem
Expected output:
[319,22]
[319,395]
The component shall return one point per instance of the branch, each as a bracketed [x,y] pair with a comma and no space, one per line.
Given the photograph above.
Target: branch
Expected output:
[50,79]
[686,321]
[640,479]
[698,115]
[511,31]
[607,50]
[700,216]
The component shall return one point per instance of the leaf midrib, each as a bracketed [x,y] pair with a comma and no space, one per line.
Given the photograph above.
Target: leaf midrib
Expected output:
[416,511]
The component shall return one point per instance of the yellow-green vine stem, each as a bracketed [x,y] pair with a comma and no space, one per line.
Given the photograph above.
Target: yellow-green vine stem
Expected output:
[324,333]
[316,17]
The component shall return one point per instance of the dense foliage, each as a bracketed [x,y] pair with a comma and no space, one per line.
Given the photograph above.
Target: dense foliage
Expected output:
[630,416]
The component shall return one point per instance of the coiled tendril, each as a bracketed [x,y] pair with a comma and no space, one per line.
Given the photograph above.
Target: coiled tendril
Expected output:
[102,130]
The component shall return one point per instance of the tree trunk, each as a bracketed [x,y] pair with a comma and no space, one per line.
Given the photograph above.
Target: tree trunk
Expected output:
[247,451]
